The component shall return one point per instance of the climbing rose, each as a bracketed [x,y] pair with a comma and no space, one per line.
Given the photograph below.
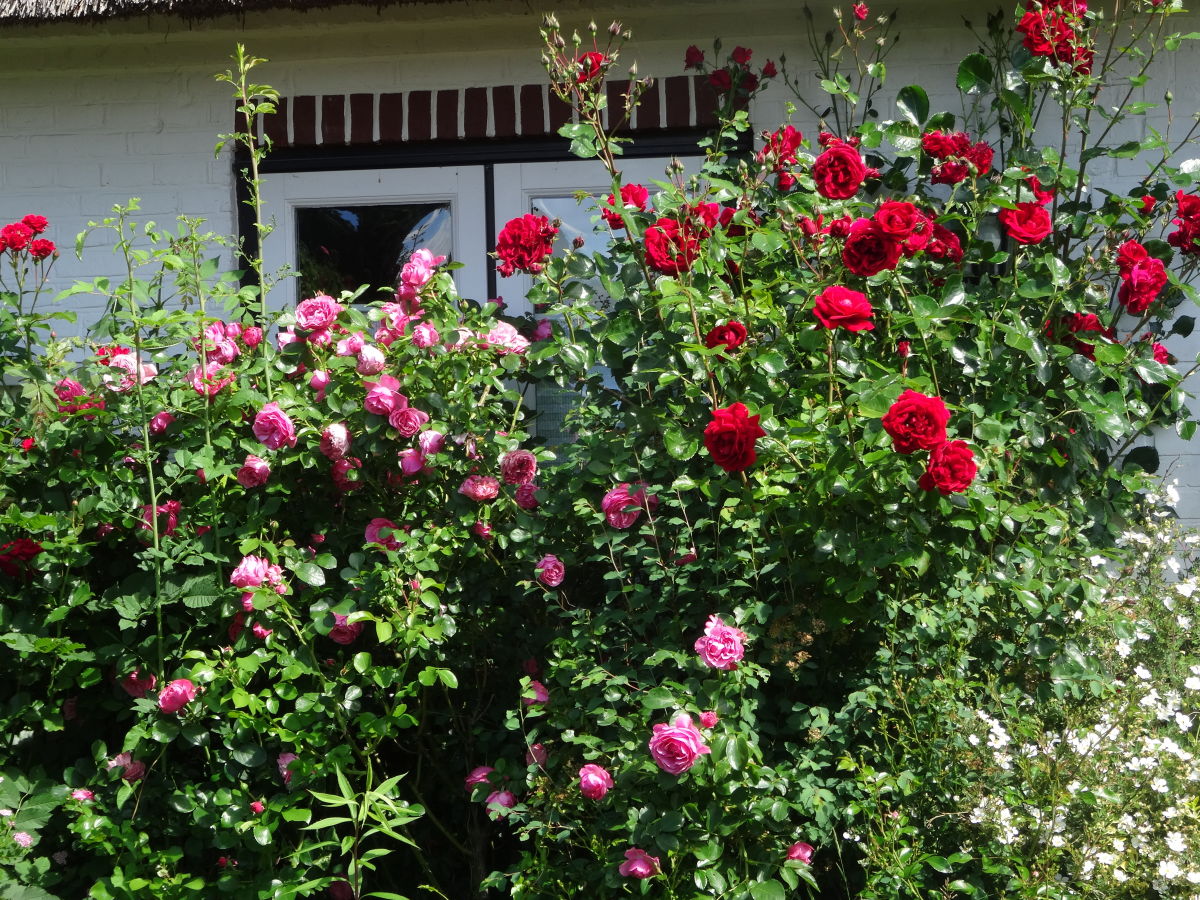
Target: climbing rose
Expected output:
[499,803]
[639,864]
[283,761]
[82,794]
[839,171]
[136,685]
[671,248]
[374,533]
[840,307]
[916,422]
[594,781]
[407,420]
[708,719]
[731,334]
[317,313]
[16,236]
[176,695]
[523,243]
[622,508]
[478,775]
[344,632]
[721,646]
[273,427]
[1029,223]
[254,472]
[35,223]
[210,379]
[730,437]
[526,496]
[161,422]
[869,249]
[335,441]
[951,468]
[518,467]
[633,198]
[693,57]
[257,806]
[676,747]
[550,571]
[861,11]
[479,488]
[591,64]
[801,851]
[370,360]
[536,755]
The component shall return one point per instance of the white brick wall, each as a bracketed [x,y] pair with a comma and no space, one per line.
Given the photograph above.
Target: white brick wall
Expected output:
[91,115]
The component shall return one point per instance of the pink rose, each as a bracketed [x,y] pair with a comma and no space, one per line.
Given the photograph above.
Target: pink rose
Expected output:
[335,441]
[382,532]
[676,747]
[273,427]
[412,462]
[251,572]
[431,442]
[283,761]
[176,695]
[480,488]
[527,496]
[518,467]
[594,781]
[543,330]
[317,313]
[257,807]
[550,571]
[499,803]
[622,508]
[260,631]
[416,273]
[252,336]
[341,474]
[383,396]
[318,381]
[536,755]
[350,346]
[254,472]
[161,422]
[483,530]
[505,339]
[408,420]
[708,719]
[370,360]
[721,646]
[536,694]
[136,685]
[801,851]
[342,632]
[478,775]
[639,864]
[83,795]
[135,771]
[209,380]
[425,335]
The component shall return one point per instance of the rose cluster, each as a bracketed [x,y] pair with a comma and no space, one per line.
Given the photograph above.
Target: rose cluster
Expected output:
[917,421]
[1055,29]
[22,237]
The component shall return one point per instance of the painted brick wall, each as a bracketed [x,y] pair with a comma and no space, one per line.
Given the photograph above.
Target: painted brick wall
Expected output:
[92,115]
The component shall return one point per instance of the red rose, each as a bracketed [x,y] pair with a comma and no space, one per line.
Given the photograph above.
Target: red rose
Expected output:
[980,157]
[671,248]
[1040,194]
[898,219]
[721,81]
[916,422]
[633,197]
[41,248]
[590,66]
[1141,284]
[868,250]
[861,11]
[16,555]
[693,57]
[951,468]
[839,171]
[731,334]
[523,243]
[1029,223]
[952,171]
[840,307]
[1078,323]
[781,147]
[730,437]
[16,236]
[741,56]
[1161,354]
[769,70]
[944,244]
[35,223]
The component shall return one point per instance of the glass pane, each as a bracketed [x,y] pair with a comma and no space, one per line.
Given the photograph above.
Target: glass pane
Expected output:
[554,403]
[339,248]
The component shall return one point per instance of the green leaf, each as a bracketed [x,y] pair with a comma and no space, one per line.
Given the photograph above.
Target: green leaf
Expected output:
[310,574]
[974,72]
[680,444]
[939,864]
[1145,458]
[913,103]
[768,890]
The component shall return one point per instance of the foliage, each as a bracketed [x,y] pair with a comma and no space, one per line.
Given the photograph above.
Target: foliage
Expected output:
[823,593]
